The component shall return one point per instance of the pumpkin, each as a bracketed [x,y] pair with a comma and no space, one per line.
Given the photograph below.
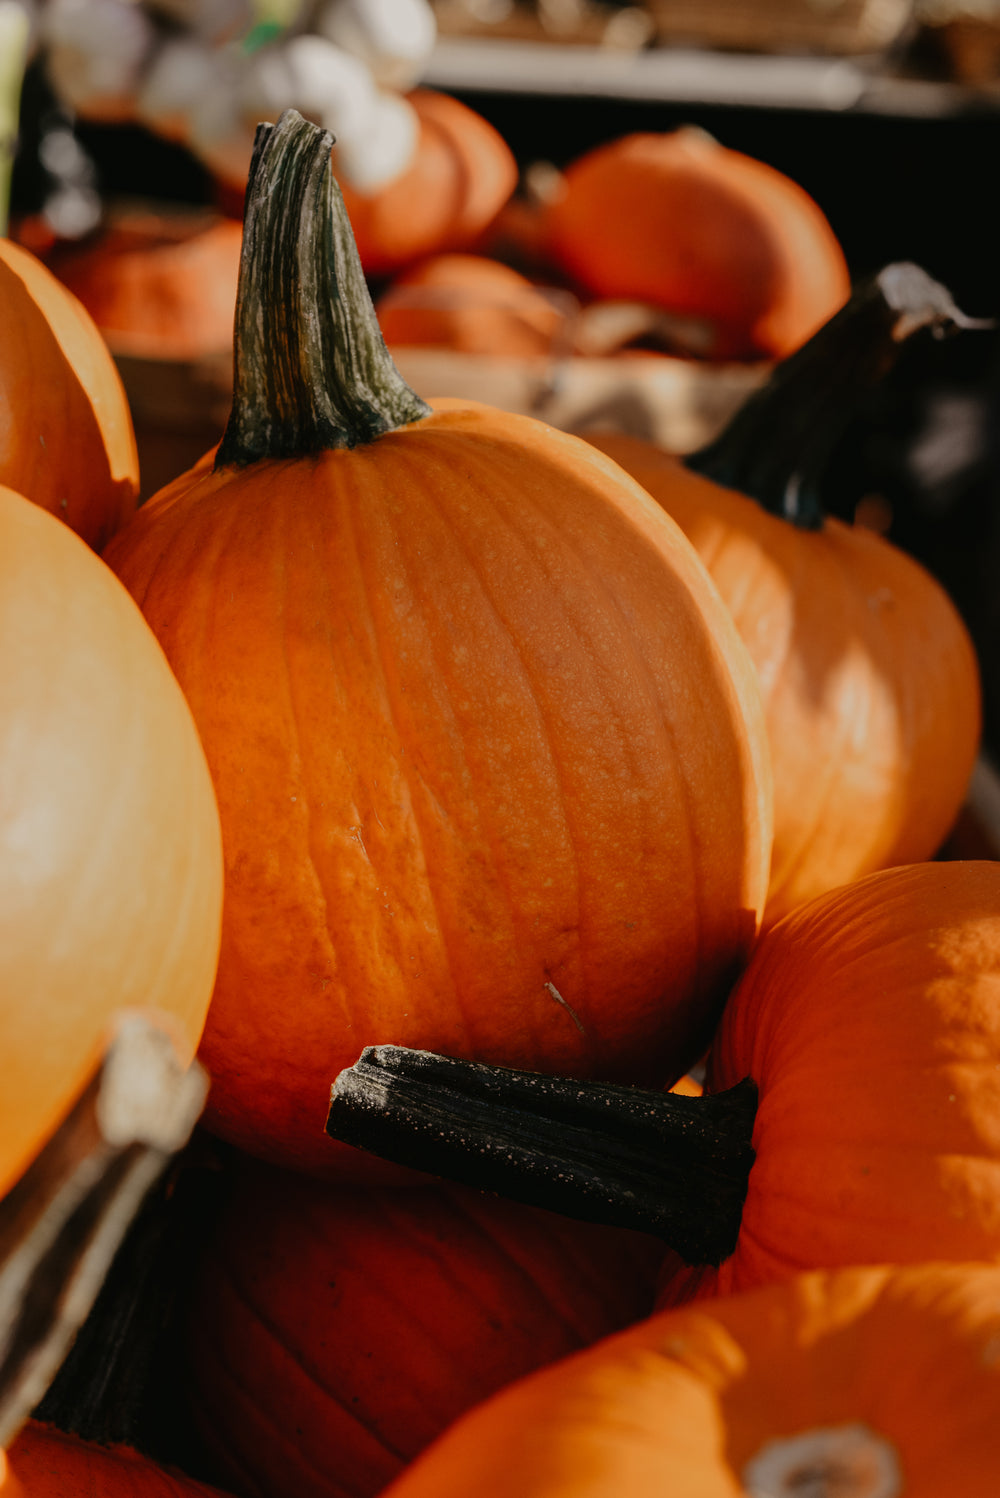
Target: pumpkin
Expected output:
[46,1463]
[488,750]
[677,219]
[159,285]
[859,1383]
[869,678]
[111,866]
[870,1021]
[367,1320]
[66,440]
[471,304]
[851,1112]
[461,174]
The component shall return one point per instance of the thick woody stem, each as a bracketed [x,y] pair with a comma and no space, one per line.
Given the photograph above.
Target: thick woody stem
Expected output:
[672,1166]
[777,447]
[311,369]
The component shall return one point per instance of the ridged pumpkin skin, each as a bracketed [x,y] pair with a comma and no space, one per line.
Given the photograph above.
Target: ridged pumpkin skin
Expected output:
[66,438]
[110,856]
[46,1463]
[870,1021]
[461,175]
[678,220]
[471,304]
[366,1321]
[864,1383]
[489,756]
[869,678]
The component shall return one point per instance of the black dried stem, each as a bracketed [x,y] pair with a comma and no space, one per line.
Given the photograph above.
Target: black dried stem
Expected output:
[778,446]
[311,369]
[672,1166]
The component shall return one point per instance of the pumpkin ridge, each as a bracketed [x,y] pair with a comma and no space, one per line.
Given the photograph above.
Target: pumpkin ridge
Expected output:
[462,1004]
[293,1355]
[524,1271]
[223,1450]
[419,477]
[596,582]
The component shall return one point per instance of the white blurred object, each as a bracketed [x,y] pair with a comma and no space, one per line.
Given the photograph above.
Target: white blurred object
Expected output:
[182,72]
[310,74]
[386,149]
[394,38]
[95,51]
[217,131]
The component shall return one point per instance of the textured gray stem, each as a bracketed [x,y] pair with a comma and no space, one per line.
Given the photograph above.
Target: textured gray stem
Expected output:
[311,369]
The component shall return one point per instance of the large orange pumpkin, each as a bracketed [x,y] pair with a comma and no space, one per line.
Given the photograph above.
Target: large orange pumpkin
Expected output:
[461,175]
[44,1462]
[111,865]
[869,677]
[488,750]
[863,1383]
[367,1320]
[66,438]
[678,220]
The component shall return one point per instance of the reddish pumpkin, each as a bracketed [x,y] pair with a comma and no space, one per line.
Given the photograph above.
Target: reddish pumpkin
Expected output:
[487,746]
[44,1462]
[869,678]
[866,1383]
[159,285]
[366,1321]
[471,304]
[461,175]
[66,439]
[678,220]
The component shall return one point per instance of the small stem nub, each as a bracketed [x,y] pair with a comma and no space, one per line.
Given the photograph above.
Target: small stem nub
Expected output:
[778,446]
[676,1167]
[311,369]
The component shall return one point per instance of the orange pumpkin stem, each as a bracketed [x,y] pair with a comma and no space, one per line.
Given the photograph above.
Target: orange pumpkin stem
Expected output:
[777,447]
[311,369]
[673,1166]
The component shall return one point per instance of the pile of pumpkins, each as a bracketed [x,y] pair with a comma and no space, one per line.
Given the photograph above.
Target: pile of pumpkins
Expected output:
[441,729]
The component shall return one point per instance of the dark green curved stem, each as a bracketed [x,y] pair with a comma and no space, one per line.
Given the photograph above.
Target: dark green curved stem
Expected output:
[778,445]
[676,1167]
[311,370]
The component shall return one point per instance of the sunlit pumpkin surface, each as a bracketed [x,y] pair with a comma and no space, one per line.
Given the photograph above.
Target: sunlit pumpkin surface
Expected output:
[66,438]
[489,756]
[870,1020]
[859,1383]
[676,219]
[110,857]
[869,678]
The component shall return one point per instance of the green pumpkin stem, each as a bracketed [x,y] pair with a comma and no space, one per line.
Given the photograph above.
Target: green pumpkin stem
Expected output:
[672,1166]
[311,369]
[777,447]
